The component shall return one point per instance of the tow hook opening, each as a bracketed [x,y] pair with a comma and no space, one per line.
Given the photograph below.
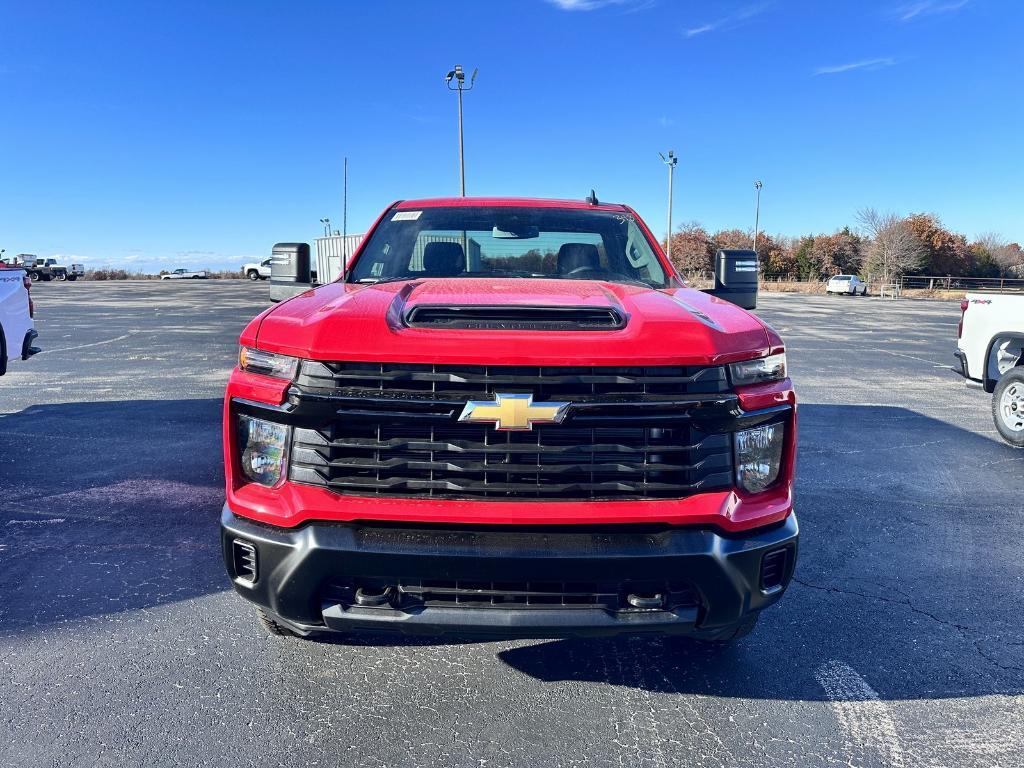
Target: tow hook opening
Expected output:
[657,600]
[374,596]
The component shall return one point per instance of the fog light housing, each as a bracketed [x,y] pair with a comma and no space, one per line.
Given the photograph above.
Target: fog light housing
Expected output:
[264,450]
[759,456]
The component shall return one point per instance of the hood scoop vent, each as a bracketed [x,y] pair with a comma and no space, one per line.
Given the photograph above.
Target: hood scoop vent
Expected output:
[515,317]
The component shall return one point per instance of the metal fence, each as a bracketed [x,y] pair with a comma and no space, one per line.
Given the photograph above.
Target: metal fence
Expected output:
[993,284]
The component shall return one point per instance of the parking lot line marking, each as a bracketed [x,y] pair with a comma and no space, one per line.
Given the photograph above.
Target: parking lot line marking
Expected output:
[911,357]
[864,719]
[86,346]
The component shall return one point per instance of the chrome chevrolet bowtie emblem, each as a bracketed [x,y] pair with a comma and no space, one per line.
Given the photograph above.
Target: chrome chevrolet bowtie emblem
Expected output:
[514,412]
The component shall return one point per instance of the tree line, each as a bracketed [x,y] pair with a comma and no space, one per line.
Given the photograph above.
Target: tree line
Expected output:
[884,246]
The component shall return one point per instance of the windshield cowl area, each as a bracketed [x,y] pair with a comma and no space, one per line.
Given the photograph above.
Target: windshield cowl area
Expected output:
[509,242]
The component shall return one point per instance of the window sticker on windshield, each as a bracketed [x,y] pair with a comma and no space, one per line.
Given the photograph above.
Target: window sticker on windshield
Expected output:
[406,216]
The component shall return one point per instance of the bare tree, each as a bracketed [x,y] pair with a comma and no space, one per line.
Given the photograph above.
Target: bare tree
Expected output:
[894,248]
[1006,255]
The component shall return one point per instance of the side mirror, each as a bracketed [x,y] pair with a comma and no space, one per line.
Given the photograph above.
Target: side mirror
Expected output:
[289,270]
[736,277]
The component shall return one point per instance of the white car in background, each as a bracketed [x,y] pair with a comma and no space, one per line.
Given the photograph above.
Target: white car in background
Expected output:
[17,331]
[257,270]
[990,355]
[850,284]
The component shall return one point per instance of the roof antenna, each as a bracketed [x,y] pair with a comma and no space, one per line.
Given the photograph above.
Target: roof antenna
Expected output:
[592,200]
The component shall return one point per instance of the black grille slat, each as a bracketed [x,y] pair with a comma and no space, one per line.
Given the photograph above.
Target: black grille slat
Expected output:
[620,440]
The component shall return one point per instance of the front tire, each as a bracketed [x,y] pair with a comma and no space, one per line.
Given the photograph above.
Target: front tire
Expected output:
[727,636]
[253,275]
[34,276]
[1008,407]
[272,626]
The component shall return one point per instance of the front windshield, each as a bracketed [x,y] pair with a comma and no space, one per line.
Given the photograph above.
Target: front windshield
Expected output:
[486,241]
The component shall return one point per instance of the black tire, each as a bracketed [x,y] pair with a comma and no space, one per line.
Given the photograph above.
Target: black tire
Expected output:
[72,278]
[34,277]
[61,276]
[729,635]
[1013,378]
[253,275]
[272,626]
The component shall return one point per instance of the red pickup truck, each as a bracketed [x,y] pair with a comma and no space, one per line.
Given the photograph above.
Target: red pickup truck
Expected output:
[510,418]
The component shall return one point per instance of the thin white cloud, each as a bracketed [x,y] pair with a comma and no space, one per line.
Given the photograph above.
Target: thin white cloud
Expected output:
[593,5]
[666,122]
[867,64]
[727,22]
[927,8]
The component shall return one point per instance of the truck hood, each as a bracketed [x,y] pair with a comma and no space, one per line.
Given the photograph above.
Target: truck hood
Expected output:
[678,326]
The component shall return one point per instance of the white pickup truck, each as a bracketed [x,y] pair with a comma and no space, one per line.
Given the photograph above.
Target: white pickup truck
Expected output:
[17,331]
[990,355]
[257,270]
[184,274]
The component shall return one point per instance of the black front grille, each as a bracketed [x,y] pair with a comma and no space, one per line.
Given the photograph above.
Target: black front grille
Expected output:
[393,430]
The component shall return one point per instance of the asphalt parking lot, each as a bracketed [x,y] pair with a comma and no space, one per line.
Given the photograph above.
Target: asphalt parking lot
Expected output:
[122,644]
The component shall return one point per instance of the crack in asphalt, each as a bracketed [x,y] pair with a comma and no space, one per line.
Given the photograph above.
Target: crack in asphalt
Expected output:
[908,603]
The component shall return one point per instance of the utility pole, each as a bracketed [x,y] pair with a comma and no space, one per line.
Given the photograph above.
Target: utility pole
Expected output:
[670,161]
[757,211]
[344,226]
[459,76]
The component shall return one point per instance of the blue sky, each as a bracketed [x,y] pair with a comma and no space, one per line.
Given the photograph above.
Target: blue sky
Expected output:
[196,134]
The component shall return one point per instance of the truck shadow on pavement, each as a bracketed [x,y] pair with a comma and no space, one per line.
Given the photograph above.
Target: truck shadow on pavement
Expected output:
[108,507]
[908,573]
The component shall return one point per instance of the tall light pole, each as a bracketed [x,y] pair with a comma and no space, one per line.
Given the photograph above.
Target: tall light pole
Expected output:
[459,77]
[757,211]
[670,161]
[327,227]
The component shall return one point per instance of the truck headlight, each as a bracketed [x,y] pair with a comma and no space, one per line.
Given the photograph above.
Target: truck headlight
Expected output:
[759,456]
[264,450]
[771,368]
[267,363]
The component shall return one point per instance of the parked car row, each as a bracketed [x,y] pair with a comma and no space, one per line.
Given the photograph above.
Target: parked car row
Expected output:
[37,268]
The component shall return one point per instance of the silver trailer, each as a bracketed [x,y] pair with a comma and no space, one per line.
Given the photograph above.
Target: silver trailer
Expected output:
[330,253]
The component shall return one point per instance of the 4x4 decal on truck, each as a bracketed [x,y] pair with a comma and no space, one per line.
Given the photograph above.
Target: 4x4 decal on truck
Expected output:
[514,412]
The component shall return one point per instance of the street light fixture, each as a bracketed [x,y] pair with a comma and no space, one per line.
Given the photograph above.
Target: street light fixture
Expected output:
[757,211]
[458,75]
[327,227]
[670,161]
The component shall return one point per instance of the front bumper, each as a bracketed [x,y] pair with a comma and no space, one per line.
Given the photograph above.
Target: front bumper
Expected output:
[307,576]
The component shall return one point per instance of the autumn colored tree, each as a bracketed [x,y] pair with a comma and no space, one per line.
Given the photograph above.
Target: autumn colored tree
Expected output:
[947,253]
[733,238]
[693,253]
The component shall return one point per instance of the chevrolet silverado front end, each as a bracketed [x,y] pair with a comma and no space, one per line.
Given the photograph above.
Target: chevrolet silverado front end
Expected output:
[510,418]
